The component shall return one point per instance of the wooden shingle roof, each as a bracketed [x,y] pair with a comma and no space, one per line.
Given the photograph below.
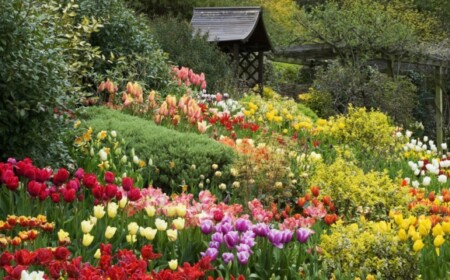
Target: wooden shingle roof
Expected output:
[232,24]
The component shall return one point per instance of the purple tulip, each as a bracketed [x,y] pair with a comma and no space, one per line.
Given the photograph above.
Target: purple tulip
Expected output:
[286,236]
[261,229]
[211,252]
[217,237]
[303,234]
[243,257]
[231,239]
[207,226]
[214,244]
[243,247]
[248,239]
[227,257]
[224,227]
[242,225]
[276,238]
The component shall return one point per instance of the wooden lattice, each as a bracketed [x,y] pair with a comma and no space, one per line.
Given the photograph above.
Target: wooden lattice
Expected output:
[249,68]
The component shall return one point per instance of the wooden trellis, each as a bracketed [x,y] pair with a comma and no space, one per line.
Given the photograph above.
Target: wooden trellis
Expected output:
[239,32]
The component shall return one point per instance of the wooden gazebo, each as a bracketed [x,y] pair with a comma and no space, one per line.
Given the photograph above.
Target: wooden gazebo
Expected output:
[240,32]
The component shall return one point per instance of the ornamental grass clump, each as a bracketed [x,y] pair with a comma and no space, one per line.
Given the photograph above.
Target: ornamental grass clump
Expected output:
[367,248]
[356,192]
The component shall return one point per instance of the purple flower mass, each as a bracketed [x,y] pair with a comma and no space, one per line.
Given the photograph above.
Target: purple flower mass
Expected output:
[303,234]
[276,238]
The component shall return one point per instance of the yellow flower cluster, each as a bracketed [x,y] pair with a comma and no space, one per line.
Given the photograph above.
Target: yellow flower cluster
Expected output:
[353,189]
[420,230]
[367,247]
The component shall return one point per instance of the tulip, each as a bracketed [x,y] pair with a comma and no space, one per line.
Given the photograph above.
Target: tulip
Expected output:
[243,257]
[150,210]
[110,231]
[181,210]
[87,239]
[402,235]
[211,252]
[123,202]
[206,226]
[35,275]
[131,238]
[227,257]
[438,241]
[231,239]
[112,209]
[161,225]
[97,254]
[242,225]
[179,223]
[172,234]
[63,236]
[418,245]
[303,234]
[99,211]
[148,232]
[173,264]
[86,226]
[171,211]
[133,228]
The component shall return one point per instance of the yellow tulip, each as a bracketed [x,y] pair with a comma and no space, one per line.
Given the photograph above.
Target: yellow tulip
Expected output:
[123,202]
[99,211]
[133,228]
[181,210]
[148,232]
[446,227]
[173,264]
[151,210]
[418,245]
[171,211]
[423,229]
[86,226]
[402,235]
[63,236]
[97,254]
[87,239]
[172,234]
[112,209]
[438,230]
[131,238]
[438,241]
[110,231]
[179,223]
[161,225]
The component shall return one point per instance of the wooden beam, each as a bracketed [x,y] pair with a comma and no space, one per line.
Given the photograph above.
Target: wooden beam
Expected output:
[439,106]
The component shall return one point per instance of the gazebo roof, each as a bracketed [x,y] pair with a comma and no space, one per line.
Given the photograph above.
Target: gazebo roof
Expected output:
[243,25]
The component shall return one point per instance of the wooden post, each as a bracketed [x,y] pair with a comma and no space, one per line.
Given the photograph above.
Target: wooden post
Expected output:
[439,107]
[260,70]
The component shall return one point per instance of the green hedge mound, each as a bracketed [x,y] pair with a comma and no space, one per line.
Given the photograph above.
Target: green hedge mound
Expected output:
[178,158]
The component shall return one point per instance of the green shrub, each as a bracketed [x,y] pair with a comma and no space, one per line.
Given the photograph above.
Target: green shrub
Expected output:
[195,52]
[367,248]
[364,87]
[126,42]
[177,158]
[34,77]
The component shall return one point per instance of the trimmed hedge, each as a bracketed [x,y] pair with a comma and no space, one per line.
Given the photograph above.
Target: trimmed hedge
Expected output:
[173,153]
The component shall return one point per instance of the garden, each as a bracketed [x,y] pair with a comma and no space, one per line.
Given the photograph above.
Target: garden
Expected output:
[121,162]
